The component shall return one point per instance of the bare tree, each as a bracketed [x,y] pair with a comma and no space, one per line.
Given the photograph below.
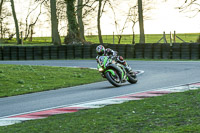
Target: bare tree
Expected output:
[190,6]
[73,35]
[1,6]
[80,18]
[133,15]
[30,26]
[60,13]
[75,16]
[100,12]
[120,31]
[16,21]
[99,22]
[88,15]
[1,18]
[141,21]
[118,27]
[54,23]
[133,18]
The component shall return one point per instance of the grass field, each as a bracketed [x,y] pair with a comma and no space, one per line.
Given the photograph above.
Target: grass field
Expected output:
[172,113]
[150,38]
[21,79]
[126,39]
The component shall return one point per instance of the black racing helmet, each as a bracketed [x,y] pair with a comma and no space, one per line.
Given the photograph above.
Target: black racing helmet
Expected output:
[100,50]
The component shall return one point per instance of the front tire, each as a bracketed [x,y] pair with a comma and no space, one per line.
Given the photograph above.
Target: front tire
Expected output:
[112,79]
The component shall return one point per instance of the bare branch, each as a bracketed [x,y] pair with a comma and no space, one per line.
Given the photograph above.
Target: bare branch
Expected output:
[188,7]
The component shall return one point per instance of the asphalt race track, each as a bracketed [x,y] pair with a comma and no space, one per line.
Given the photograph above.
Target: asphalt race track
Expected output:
[157,75]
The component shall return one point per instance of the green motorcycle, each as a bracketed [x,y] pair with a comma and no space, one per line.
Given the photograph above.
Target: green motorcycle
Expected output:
[114,72]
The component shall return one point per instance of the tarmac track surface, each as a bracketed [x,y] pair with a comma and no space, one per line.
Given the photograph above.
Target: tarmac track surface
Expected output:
[158,74]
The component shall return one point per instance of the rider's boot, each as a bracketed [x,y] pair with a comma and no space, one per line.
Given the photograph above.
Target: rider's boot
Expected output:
[128,69]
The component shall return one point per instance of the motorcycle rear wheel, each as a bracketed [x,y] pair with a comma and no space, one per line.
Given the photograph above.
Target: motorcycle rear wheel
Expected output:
[132,78]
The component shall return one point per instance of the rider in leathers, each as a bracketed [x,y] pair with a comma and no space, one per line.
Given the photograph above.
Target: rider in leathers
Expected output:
[101,51]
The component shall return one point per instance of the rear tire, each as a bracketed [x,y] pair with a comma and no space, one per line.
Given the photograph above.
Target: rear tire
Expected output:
[132,78]
[111,79]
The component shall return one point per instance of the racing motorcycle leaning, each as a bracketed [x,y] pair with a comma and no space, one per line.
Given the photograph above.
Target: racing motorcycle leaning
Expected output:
[114,72]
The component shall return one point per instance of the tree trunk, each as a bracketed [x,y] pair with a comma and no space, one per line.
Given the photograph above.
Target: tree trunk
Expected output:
[80,19]
[133,38]
[31,36]
[54,24]
[73,35]
[1,5]
[119,39]
[99,23]
[1,30]
[16,21]
[140,14]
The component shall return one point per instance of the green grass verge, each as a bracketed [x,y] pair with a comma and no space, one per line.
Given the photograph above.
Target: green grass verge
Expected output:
[149,38]
[172,113]
[126,39]
[21,79]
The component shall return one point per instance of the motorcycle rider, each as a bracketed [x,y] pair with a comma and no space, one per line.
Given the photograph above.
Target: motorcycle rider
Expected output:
[101,51]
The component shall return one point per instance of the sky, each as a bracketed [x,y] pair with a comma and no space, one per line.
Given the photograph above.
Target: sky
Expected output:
[164,17]
[167,18]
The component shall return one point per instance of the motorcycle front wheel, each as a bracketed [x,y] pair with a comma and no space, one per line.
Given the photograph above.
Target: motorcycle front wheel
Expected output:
[114,80]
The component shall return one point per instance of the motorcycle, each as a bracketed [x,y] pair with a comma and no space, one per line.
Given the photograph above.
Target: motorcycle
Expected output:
[114,72]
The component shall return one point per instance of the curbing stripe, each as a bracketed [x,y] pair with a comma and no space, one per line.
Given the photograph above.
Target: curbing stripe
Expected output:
[97,104]
[70,109]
